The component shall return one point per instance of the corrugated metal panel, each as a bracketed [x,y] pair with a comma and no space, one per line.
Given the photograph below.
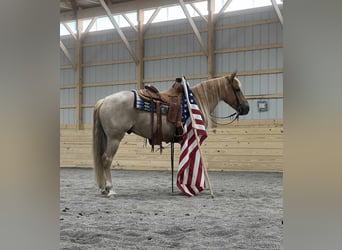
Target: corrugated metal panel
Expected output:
[262,84]
[109,73]
[248,36]
[67,117]
[87,115]
[173,45]
[256,33]
[121,87]
[249,60]
[67,96]
[93,94]
[175,67]
[108,35]
[279,58]
[174,26]
[67,76]
[106,52]
[68,41]
[272,32]
[64,60]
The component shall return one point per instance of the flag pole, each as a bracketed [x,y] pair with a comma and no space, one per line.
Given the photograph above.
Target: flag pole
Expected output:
[197,138]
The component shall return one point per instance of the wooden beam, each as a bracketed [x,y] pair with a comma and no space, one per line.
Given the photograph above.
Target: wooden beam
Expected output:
[211,39]
[69,106]
[255,72]
[74,6]
[67,54]
[116,41]
[247,24]
[224,7]
[79,76]
[66,67]
[118,61]
[117,8]
[194,27]
[117,28]
[157,58]
[130,22]
[256,47]
[65,5]
[68,86]
[276,8]
[266,96]
[90,25]
[198,11]
[211,44]
[150,20]
[69,30]
[141,45]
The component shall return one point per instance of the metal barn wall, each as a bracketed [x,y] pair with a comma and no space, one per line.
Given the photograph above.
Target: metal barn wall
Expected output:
[249,42]
[67,86]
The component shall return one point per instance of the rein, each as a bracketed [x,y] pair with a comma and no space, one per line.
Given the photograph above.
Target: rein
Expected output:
[236,118]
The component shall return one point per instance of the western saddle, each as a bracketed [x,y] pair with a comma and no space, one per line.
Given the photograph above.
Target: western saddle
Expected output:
[172,99]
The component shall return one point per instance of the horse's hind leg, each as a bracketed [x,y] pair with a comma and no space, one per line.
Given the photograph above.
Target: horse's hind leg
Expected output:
[112,147]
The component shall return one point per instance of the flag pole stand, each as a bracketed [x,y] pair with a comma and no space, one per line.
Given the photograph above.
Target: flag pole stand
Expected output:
[198,141]
[172,163]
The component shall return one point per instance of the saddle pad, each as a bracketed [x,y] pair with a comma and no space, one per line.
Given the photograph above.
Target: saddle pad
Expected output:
[146,106]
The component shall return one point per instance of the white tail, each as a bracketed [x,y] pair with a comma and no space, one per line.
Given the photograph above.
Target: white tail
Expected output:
[99,144]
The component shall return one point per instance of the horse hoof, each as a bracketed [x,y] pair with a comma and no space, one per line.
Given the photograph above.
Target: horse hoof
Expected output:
[104,192]
[111,193]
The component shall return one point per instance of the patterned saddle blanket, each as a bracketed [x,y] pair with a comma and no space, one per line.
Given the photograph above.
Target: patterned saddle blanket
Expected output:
[147,105]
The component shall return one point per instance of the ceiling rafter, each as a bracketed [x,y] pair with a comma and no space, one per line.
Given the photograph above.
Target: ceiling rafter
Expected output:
[118,29]
[194,27]
[90,25]
[276,8]
[69,30]
[222,10]
[65,5]
[148,23]
[198,11]
[118,7]
[74,6]
[130,22]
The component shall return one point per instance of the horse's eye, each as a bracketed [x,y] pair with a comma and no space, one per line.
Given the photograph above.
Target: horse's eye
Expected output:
[237,90]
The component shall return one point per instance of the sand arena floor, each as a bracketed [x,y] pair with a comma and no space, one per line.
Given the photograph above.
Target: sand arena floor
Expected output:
[246,212]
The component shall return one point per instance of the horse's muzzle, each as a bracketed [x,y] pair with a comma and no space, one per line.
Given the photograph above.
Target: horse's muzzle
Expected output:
[243,109]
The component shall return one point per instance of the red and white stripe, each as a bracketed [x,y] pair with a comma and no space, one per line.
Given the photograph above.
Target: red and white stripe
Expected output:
[190,177]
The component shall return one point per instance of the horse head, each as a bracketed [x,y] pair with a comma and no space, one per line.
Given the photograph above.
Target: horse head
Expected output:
[233,95]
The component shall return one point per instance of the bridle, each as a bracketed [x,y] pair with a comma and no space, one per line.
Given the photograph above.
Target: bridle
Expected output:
[236,114]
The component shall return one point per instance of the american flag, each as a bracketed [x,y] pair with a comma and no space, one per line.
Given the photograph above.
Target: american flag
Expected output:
[190,177]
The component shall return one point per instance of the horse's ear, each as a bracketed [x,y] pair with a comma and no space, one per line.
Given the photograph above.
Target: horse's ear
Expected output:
[233,75]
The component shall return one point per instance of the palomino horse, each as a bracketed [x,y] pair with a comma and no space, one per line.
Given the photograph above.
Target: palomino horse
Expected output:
[115,115]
